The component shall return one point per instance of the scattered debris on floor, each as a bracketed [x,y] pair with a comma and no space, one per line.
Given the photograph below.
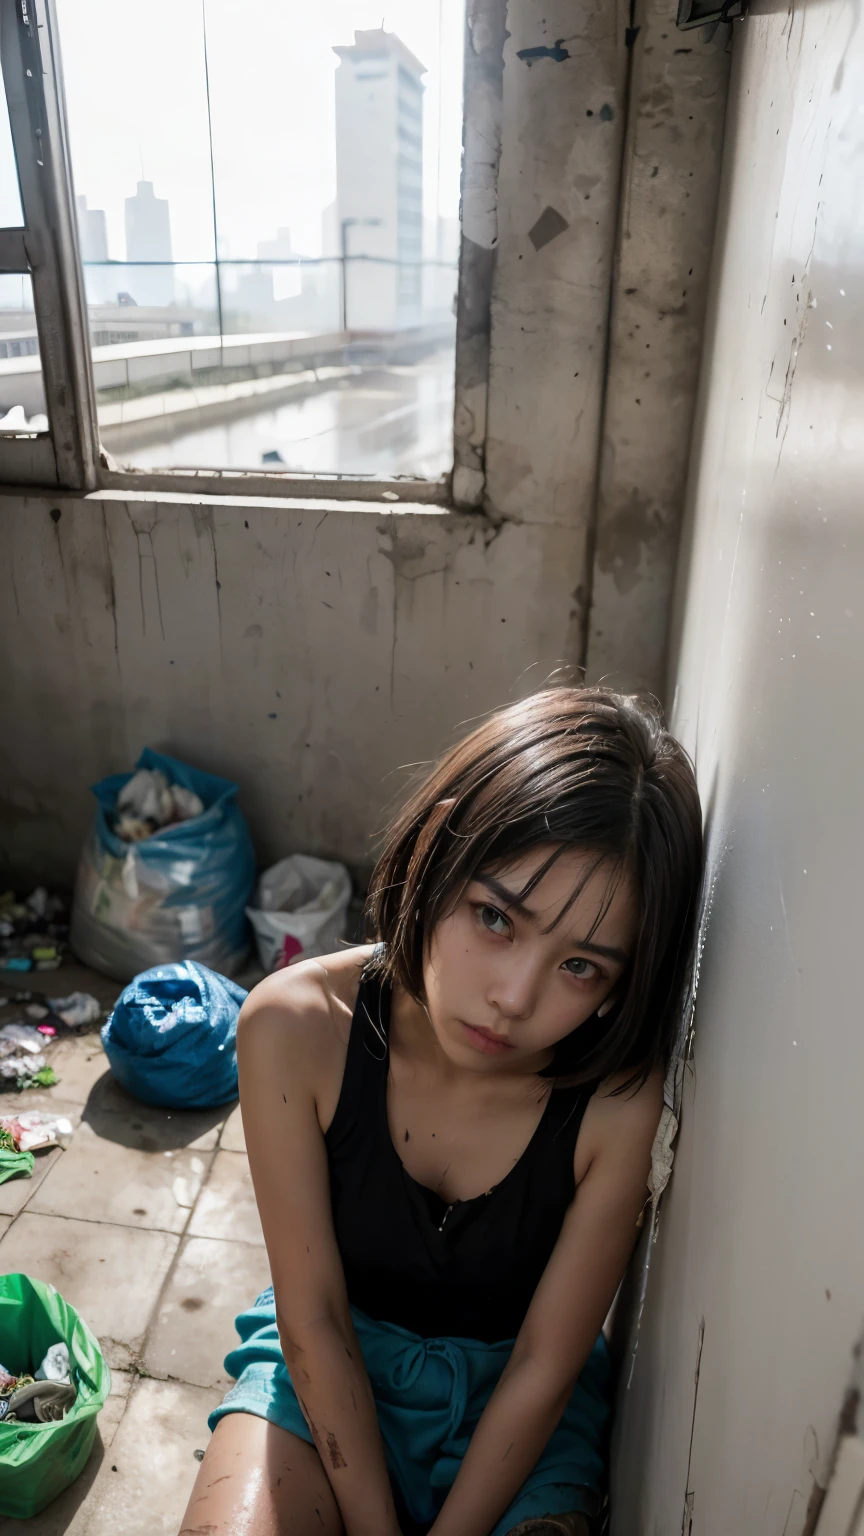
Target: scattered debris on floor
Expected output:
[32,1131]
[28,1132]
[33,930]
[76,1010]
[40,1022]
[27,1072]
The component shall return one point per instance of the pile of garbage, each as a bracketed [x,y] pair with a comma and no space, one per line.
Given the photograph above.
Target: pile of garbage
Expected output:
[148,802]
[33,930]
[42,1398]
[25,1039]
[165,872]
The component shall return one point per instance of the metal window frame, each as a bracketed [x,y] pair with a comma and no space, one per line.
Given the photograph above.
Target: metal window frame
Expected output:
[69,456]
[46,248]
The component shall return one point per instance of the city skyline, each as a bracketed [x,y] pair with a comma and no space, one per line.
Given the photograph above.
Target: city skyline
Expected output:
[378,211]
[272,115]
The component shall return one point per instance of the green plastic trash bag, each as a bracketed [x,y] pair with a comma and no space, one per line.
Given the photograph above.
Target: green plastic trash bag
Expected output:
[13,1163]
[37,1461]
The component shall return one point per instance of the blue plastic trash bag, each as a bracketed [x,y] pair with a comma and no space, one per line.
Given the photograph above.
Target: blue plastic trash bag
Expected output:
[179,895]
[170,1040]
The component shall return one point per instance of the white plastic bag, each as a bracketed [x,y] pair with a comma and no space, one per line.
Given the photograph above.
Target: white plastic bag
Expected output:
[300,909]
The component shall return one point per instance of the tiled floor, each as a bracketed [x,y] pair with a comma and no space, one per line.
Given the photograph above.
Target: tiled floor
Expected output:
[147,1224]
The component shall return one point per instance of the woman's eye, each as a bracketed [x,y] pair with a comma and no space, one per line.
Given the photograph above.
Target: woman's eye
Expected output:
[583,970]
[493,920]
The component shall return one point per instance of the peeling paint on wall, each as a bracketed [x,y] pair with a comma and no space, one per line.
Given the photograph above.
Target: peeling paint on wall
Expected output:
[557,53]
[550,224]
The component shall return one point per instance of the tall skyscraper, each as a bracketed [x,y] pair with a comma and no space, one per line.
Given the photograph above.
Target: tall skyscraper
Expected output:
[92,231]
[379,179]
[148,239]
[99,283]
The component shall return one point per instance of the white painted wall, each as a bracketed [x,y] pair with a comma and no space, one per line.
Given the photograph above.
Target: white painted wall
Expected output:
[762,1237]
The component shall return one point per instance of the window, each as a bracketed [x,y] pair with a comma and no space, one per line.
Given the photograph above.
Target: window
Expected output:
[11,212]
[268,234]
[22,395]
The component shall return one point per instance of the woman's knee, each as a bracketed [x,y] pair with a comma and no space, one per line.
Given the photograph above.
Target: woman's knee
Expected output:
[262,1481]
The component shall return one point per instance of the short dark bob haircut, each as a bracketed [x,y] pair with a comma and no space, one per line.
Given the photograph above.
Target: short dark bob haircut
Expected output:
[568,767]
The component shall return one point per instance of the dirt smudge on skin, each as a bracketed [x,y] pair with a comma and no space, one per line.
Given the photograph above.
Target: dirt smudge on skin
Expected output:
[337,1460]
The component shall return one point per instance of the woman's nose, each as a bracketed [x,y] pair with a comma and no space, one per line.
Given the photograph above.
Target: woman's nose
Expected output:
[513,989]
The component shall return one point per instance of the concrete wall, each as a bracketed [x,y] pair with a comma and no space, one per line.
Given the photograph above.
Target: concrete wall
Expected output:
[305,650]
[756,1293]
[673,143]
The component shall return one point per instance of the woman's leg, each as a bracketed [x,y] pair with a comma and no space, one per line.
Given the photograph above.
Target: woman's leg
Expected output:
[258,1480]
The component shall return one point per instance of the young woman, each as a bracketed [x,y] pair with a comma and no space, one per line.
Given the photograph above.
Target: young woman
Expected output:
[450,1135]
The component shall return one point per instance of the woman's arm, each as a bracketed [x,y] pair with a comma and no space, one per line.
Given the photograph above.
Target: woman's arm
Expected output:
[566,1314]
[287,1047]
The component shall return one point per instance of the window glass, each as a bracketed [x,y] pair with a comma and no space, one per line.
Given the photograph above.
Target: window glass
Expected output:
[22,397]
[270,231]
[11,215]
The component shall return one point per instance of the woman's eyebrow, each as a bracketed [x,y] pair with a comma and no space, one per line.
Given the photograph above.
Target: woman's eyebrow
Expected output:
[511,899]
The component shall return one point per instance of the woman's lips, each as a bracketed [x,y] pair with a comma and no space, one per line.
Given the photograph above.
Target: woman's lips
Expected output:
[484,1040]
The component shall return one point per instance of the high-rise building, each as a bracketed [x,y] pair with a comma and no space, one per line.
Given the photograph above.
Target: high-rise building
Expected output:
[148,239]
[92,231]
[93,243]
[379,180]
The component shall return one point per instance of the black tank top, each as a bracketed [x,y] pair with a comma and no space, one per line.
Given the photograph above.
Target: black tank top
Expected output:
[466,1270]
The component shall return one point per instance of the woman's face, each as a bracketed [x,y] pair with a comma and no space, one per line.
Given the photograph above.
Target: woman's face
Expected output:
[505,981]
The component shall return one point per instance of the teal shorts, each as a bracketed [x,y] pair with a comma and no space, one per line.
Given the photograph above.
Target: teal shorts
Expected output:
[430,1394]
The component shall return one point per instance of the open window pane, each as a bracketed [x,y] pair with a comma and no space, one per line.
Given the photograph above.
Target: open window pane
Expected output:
[22,397]
[321,337]
[11,214]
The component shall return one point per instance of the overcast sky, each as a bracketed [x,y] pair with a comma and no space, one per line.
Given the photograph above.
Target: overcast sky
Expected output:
[136,99]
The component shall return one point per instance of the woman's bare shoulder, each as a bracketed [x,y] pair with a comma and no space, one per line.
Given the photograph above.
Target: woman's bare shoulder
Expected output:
[620,1122]
[306,1007]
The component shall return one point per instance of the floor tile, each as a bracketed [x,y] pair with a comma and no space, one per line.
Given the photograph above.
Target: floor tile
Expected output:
[194,1327]
[154,1455]
[5,1224]
[49,1100]
[226,1205]
[99,1180]
[16,1193]
[111,1275]
[116,1116]
[232,1138]
[79,1062]
[115,1404]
